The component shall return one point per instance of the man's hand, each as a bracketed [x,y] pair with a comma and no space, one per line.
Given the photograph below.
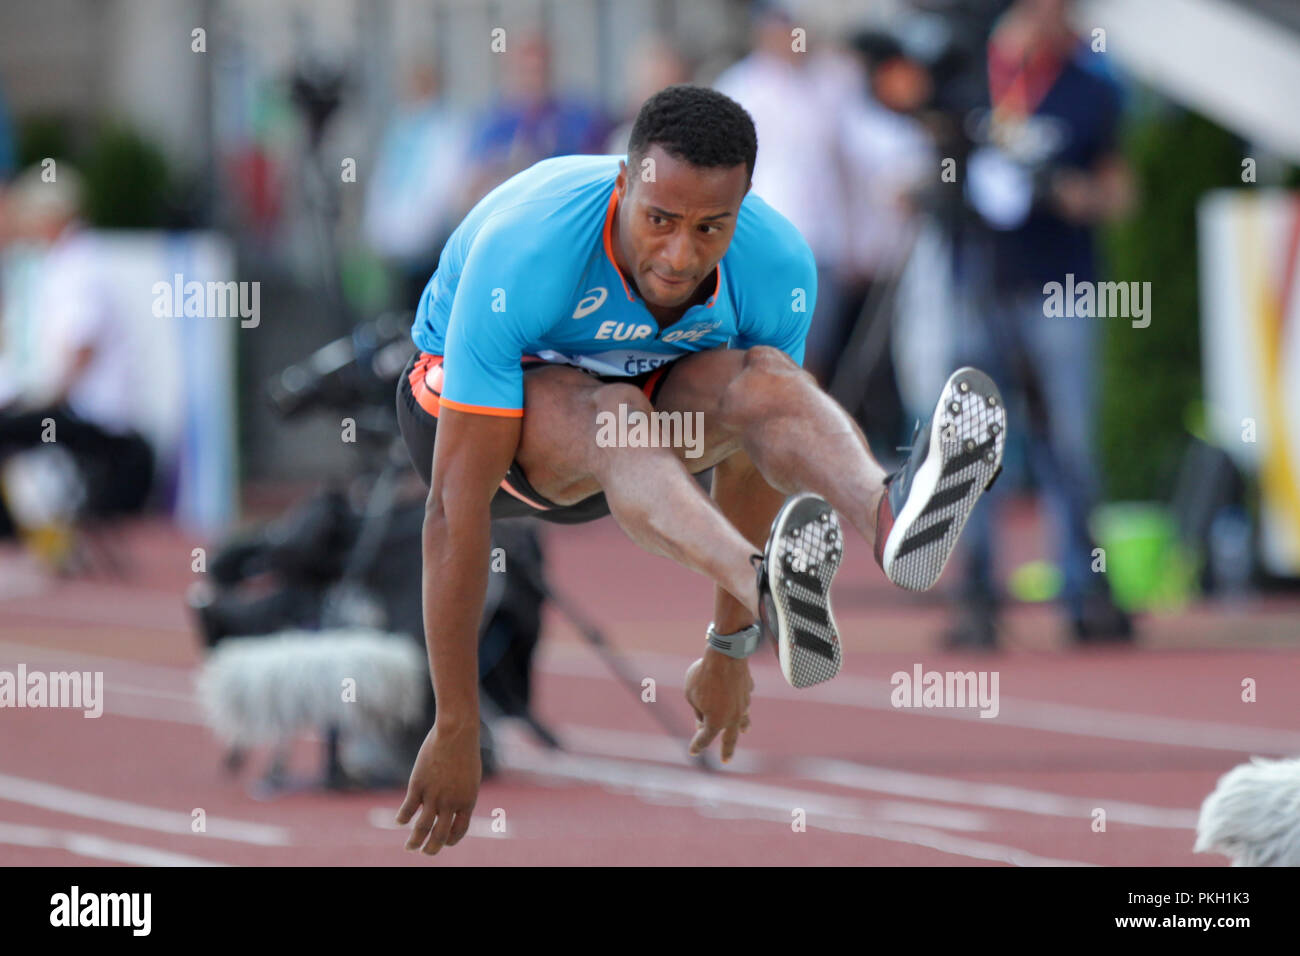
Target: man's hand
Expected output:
[471,455]
[1102,195]
[718,688]
[445,781]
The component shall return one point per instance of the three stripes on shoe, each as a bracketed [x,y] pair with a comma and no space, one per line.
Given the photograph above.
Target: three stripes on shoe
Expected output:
[809,548]
[948,496]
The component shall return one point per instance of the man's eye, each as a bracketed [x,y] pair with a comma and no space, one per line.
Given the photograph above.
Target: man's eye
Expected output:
[657,220]
[710,228]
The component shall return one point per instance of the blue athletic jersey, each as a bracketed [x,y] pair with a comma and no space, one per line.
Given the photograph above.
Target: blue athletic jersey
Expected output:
[530,272]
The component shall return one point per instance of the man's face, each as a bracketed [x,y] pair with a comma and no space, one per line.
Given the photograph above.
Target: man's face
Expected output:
[674,228]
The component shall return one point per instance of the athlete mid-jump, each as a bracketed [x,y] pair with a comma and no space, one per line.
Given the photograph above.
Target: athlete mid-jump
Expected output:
[657,282]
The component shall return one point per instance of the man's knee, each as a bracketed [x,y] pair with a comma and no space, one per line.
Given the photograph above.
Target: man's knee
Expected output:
[607,407]
[616,399]
[769,381]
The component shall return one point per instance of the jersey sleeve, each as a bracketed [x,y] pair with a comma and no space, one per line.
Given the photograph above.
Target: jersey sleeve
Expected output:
[504,300]
[778,301]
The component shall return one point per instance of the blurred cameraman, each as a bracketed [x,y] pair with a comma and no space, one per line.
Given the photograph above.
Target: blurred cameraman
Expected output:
[1045,172]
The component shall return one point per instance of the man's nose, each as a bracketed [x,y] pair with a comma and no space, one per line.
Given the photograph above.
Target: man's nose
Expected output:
[679,254]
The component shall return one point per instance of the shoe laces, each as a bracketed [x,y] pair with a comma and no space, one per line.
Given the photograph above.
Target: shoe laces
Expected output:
[916,430]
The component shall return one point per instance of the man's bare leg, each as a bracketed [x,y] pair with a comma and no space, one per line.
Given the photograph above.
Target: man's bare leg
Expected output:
[798,437]
[650,491]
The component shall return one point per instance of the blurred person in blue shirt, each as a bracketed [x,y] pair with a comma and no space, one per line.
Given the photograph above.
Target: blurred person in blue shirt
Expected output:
[8,143]
[1046,172]
[531,121]
[411,200]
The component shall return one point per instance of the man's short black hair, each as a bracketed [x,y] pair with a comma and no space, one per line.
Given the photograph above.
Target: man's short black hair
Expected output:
[695,124]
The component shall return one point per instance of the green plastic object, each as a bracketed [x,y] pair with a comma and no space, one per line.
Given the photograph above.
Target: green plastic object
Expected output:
[1149,569]
[1035,581]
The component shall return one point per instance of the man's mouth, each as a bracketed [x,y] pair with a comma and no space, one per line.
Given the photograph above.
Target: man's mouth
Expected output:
[667,281]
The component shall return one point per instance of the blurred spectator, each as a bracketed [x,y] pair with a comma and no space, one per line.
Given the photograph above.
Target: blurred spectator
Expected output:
[531,122]
[86,345]
[796,99]
[1046,174]
[411,199]
[8,143]
[653,65]
[891,159]
[891,154]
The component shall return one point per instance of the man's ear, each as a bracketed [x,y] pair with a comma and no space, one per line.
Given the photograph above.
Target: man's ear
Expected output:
[620,183]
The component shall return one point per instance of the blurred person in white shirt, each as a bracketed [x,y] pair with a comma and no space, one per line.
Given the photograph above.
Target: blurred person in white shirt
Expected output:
[85,389]
[797,100]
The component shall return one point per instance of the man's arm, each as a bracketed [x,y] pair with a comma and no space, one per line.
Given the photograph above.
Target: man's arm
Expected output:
[749,503]
[471,455]
[717,686]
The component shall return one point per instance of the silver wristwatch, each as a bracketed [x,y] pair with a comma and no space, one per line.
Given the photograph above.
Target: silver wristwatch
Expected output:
[741,644]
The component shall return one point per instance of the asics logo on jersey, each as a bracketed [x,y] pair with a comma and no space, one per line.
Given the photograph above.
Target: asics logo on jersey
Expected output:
[592,301]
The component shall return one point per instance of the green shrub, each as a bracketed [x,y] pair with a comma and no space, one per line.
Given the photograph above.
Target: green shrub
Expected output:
[126,181]
[1149,376]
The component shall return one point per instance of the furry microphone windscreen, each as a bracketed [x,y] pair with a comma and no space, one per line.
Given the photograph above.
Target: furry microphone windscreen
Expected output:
[1253,815]
[263,690]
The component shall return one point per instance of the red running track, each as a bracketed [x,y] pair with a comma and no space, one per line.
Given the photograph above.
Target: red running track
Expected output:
[1141,734]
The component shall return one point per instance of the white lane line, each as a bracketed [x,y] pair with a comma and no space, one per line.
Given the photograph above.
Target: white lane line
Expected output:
[131,688]
[178,676]
[185,696]
[868,694]
[846,690]
[598,741]
[1041,803]
[720,796]
[101,606]
[21,579]
[656,747]
[48,796]
[382,818]
[843,773]
[96,847]
[124,703]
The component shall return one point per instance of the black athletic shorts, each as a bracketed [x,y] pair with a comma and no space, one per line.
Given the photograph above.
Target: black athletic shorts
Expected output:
[418,392]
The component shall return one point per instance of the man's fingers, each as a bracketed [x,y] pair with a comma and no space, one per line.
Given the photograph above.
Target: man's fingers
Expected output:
[460,827]
[408,807]
[441,832]
[703,738]
[420,832]
[729,737]
[744,723]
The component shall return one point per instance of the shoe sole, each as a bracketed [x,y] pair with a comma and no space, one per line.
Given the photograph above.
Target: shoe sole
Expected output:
[958,469]
[804,552]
